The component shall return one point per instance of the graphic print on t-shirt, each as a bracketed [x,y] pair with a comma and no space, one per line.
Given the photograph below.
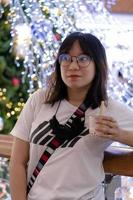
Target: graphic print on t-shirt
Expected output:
[42,135]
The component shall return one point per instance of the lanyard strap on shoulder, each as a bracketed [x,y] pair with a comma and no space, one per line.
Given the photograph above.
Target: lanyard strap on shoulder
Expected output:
[54,144]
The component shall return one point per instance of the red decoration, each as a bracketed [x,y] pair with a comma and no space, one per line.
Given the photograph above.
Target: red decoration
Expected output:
[15,81]
[58,36]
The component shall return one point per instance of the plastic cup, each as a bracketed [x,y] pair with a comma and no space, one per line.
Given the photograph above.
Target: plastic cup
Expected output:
[92,124]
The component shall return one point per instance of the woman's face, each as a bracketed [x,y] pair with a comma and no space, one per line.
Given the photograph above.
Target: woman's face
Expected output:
[74,75]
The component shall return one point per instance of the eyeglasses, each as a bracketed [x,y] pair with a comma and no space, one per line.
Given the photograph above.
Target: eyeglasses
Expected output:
[82,60]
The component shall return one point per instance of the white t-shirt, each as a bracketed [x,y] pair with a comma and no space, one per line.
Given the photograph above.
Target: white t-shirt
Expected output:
[74,171]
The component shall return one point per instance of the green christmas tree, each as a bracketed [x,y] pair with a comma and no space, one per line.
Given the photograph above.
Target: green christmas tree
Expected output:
[13,94]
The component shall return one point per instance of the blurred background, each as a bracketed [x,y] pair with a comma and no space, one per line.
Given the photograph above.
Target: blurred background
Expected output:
[30,34]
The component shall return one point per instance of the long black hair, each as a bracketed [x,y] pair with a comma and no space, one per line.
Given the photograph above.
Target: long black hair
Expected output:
[92,46]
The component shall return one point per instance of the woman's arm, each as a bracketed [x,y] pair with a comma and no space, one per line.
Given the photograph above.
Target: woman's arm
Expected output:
[18,169]
[124,136]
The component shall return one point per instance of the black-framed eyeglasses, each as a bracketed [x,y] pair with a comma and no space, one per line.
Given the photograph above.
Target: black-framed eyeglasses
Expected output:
[82,60]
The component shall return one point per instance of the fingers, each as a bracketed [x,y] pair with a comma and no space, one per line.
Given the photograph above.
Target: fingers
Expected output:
[105,118]
[105,131]
[106,127]
[106,124]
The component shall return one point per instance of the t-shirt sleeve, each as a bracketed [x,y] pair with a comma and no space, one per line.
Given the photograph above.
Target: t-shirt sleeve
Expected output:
[23,125]
[123,114]
[126,121]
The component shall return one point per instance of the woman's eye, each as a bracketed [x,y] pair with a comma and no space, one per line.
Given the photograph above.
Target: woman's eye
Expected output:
[65,58]
[83,59]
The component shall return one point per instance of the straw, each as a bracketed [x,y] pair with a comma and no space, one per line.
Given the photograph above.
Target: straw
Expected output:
[102,107]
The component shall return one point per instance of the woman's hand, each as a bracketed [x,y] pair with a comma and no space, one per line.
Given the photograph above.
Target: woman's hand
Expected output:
[107,127]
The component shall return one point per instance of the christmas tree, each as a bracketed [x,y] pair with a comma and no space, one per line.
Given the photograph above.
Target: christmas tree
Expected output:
[13,93]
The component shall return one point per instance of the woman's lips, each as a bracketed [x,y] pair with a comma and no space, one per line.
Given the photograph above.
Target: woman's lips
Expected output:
[73,76]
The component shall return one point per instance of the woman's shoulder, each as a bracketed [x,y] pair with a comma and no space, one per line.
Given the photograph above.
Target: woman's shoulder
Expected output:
[118,106]
[39,96]
[121,112]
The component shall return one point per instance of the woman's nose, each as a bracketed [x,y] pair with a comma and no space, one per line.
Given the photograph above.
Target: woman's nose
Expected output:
[74,64]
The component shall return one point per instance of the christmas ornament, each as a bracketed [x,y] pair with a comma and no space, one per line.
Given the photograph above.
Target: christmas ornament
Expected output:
[16,82]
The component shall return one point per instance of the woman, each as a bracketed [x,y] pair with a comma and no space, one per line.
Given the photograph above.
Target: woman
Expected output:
[71,169]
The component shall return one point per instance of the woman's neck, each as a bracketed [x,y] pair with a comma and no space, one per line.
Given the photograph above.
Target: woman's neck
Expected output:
[76,97]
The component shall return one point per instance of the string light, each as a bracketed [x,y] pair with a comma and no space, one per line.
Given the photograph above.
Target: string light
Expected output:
[11,109]
[38,28]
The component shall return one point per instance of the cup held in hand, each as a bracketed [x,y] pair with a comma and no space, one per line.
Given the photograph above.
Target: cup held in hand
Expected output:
[92,124]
